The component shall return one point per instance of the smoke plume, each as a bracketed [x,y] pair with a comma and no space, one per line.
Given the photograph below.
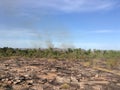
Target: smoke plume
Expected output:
[48,33]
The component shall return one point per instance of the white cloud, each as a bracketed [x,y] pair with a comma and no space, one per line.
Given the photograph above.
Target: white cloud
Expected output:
[59,5]
[75,5]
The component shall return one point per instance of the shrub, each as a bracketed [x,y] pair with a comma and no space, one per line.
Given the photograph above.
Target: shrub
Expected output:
[65,86]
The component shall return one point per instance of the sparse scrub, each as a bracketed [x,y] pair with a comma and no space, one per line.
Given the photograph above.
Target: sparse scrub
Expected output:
[88,57]
[111,63]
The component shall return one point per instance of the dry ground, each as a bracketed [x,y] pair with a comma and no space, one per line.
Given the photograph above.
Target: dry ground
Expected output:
[44,74]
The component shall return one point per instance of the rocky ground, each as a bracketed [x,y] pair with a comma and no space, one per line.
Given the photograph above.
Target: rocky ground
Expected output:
[43,74]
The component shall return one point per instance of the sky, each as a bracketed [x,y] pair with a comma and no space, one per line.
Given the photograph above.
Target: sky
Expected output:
[87,24]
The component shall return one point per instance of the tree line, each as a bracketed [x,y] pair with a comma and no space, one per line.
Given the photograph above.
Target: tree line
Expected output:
[60,53]
[110,56]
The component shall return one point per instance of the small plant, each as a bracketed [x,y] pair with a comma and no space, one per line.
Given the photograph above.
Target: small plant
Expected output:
[65,86]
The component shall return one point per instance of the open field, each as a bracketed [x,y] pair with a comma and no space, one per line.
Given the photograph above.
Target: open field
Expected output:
[52,74]
[59,44]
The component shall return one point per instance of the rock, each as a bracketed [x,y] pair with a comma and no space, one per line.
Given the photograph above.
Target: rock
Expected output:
[97,75]
[17,81]
[3,80]
[53,70]
[74,81]
[61,80]
[47,87]
[9,82]
[43,80]
[97,87]
[55,88]
[30,82]
[118,84]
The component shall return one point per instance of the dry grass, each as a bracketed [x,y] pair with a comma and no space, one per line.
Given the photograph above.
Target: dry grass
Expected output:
[107,70]
[65,86]
[86,64]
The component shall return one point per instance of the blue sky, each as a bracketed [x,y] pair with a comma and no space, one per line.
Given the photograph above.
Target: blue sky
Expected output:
[88,24]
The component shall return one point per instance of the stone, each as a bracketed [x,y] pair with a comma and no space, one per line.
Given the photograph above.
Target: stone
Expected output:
[74,81]
[30,82]
[53,70]
[61,80]
[17,81]
[97,87]
[118,84]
